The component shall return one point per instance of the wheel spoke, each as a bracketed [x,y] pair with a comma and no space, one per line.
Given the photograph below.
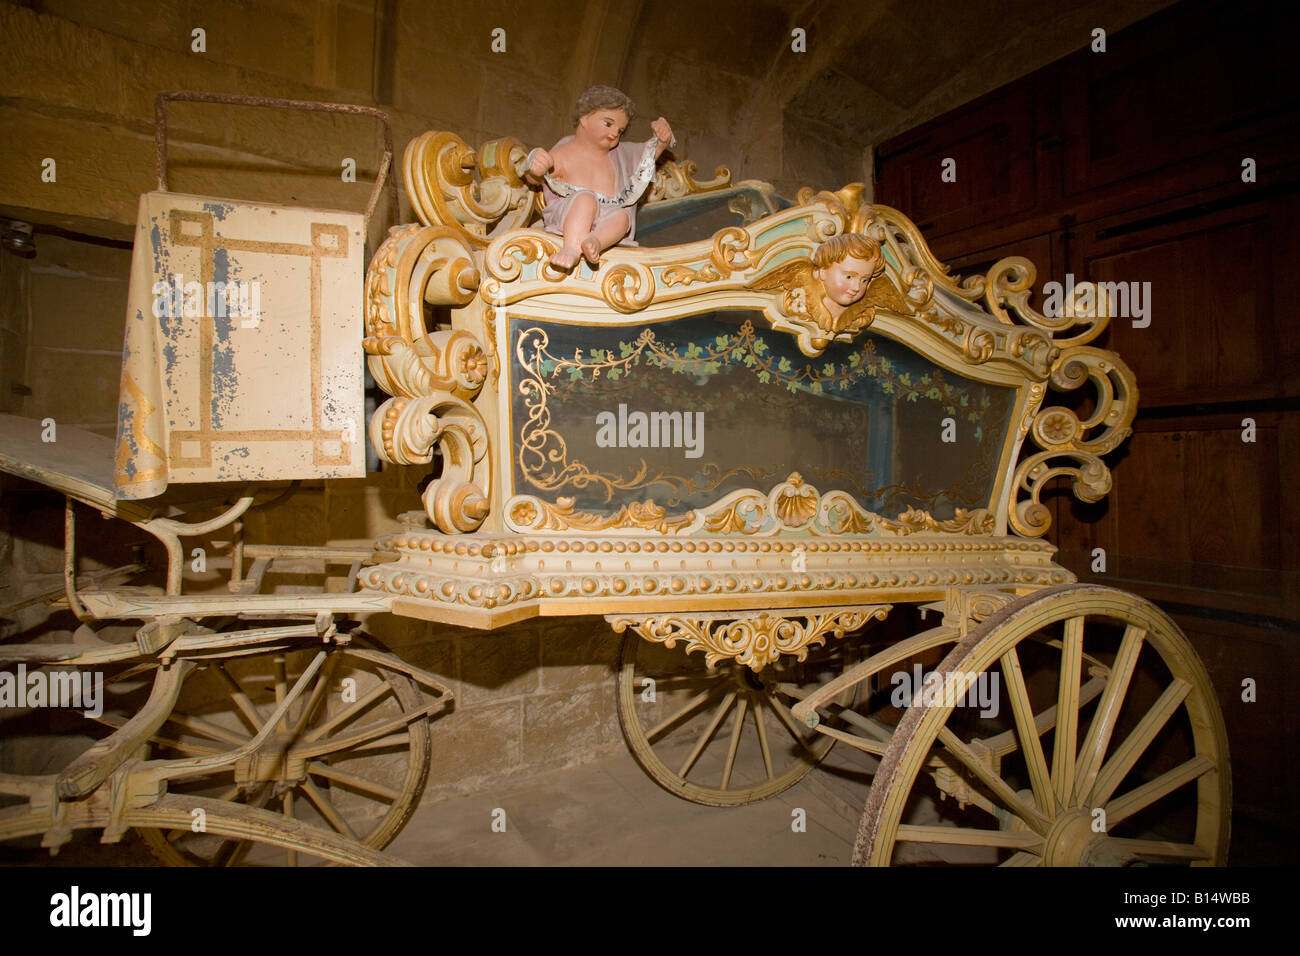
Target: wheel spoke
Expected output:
[349,714]
[791,725]
[708,733]
[1023,859]
[690,707]
[1006,742]
[734,745]
[357,737]
[318,693]
[1032,816]
[327,809]
[761,724]
[291,855]
[402,739]
[246,709]
[1067,712]
[1127,754]
[281,686]
[231,852]
[1039,779]
[1142,797]
[353,780]
[1103,721]
[969,836]
[207,729]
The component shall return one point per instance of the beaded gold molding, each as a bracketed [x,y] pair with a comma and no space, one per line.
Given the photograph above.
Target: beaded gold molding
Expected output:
[486,580]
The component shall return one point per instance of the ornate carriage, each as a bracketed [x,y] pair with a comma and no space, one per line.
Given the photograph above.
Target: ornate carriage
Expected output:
[762,496]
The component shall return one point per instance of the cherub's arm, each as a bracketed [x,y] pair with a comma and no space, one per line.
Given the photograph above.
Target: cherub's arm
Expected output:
[537,164]
[664,133]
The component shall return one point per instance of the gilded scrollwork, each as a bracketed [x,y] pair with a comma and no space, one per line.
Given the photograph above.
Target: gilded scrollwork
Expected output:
[433,376]
[752,640]
[529,513]
[1009,284]
[675,179]
[479,194]
[1072,447]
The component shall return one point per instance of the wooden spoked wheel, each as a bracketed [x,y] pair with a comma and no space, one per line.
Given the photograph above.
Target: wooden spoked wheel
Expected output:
[724,736]
[341,759]
[1107,747]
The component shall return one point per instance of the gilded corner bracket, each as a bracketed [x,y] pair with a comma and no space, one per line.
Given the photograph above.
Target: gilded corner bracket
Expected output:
[754,639]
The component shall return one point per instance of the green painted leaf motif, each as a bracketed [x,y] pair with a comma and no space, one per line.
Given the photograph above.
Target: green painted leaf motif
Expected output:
[765,376]
[614,374]
[737,353]
[575,374]
[722,341]
[693,351]
[760,346]
[625,349]
[783,365]
[828,369]
[712,368]
[816,387]
[911,396]
[855,359]
[887,387]
[750,360]
[546,367]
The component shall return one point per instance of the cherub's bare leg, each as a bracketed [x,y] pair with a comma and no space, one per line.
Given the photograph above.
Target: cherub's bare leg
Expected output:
[605,235]
[577,223]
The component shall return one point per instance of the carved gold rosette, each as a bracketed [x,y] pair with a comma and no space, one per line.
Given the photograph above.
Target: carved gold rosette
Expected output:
[755,639]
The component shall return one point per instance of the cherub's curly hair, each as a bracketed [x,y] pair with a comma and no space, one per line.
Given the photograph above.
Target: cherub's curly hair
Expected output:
[838,248]
[602,98]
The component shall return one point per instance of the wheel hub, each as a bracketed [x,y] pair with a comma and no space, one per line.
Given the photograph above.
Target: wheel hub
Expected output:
[1071,839]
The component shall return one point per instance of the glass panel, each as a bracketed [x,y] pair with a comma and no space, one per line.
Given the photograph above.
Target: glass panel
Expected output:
[688,410]
[699,217]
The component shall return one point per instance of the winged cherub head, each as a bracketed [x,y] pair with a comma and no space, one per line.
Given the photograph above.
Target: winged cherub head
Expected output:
[845,264]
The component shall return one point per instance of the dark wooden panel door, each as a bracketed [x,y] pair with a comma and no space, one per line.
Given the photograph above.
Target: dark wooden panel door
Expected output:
[1218,306]
[992,147]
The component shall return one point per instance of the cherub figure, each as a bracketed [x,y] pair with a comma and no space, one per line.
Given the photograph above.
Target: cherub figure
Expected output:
[591,182]
[839,289]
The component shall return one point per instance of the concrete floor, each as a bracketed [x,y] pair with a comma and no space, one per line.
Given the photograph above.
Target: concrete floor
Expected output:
[610,812]
[607,812]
